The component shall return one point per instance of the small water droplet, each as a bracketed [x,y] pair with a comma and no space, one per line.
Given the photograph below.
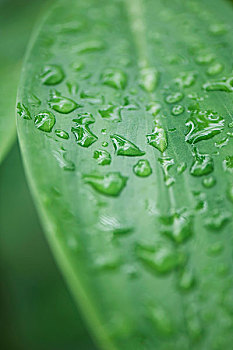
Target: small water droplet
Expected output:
[186,280]
[110,184]
[129,104]
[23,111]
[45,121]
[104,144]
[158,138]
[209,182]
[181,167]
[115,78]
[177,110]
[154,108]
[228,164]
[104,131]
[203,125]
[112,113]
[84,119]
[167,163]
[186,79]
[62,134]
[52,75]
[217,220]
[90,46]
[77,66]
[142,168]
[205,58]
[102,157]
[72,87]
[62,161]
[62,104]
[174,97]
[148,79]
[202,165]
[215,69]
[123,147]
[91,98]
[222,143]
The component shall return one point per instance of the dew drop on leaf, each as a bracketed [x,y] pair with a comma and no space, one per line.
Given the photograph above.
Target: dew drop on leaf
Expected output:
[226,86]
[83,135]
[202,165]
[62,134]
[102,157]
[112,113]
[177,110]
[161,320]
[84,119]
[228,164]
[90,46]
[181,167]
[186,280]
[62,104]
[174,97]
[63,162]
[23,111]
[115,78]
[217,220]
[154,108]
[186,79]
[142,168]
[124,147]
[110,184]
[45,121]
[148,79]
[158,138]
[178,226]
[52,75]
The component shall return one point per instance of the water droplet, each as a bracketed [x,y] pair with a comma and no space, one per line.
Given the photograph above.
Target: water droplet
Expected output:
[148,79]
[158,138]
[218,28]
[209,182]
[102,157]
[52,75]
[161,320]
[62,134]
[123,147]
[142,168]
[203,125]
[174,97]
[23,111]
[34,101]
[72,87]
[230,125]
[77,66]
[161,258]
[90,46]
[222,143]
[104,131]
[167,163]
[112,113]
[202,165]
[177,110]
[91,98]
[62,161]
[83,135]
[219,85]
[215,69]
[154,108]
[110,184]
[216,249]
[186,79]
[217,220]
[181,167]
[128,105]
[186,280]
[115,78]
[228,164]
[84,119]
[45,121]
[62,104]
[179,226]
[205,58]
[105,144]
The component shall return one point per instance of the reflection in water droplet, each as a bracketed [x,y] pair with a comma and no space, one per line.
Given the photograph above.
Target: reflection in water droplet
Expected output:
[158,138]
[23,111]
[62,161]
[161,258]
[62,104]
[62,134]
[148,79]
[202,165]
[177,110]
[110,184]
[209,182]
[154,108]
[174,97]
[222,143]
[179,226]
[115,78]
[112,113]
[52,75]
[102,157]
[202,125]
[45,121]
[142,168]
[123,147]
[217,220]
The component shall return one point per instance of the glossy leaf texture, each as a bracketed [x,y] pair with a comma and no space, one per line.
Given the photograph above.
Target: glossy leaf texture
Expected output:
[125,126]
[16,20]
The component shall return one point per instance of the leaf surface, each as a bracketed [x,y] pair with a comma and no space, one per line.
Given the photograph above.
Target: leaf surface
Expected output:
[129,152]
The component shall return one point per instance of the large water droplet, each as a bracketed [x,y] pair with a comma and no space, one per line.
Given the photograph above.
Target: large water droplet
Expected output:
[115,78]
[158,138]
[91,98]
[84,136]
[142,168]
[23,111]
[124,147]
[110,184]
[112,113]
[45,121]
[179,226]
[203,125]
[102,157]
[202,165]
[167,163]
[148,79]
[52,75]
[62,104]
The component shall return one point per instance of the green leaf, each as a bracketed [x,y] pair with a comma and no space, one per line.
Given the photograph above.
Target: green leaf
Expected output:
[16,20]
[145,244]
